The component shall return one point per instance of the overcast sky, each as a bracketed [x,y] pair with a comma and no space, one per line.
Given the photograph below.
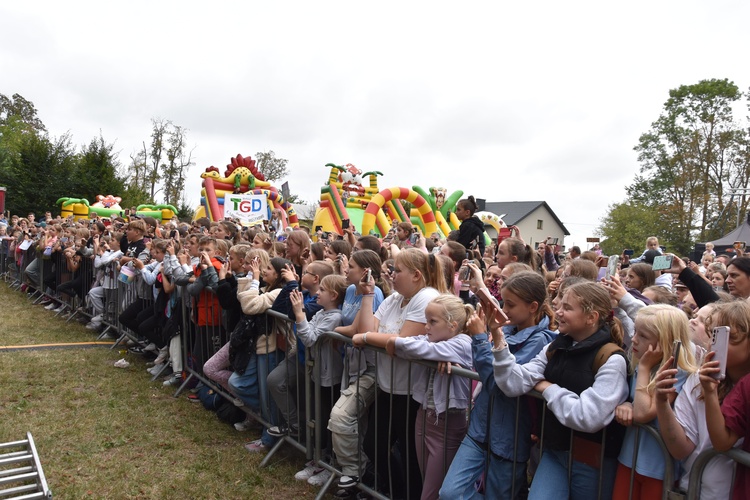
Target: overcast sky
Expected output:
[507,102]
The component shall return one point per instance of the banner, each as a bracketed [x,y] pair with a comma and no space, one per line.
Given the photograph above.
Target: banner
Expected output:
[248,208]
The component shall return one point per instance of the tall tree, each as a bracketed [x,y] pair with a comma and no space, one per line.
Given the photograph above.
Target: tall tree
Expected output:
[97,170]
[688,157]
[273,168]
[178,161]
[21,109]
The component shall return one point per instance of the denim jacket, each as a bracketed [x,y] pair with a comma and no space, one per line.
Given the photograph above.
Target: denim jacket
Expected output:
[525,345]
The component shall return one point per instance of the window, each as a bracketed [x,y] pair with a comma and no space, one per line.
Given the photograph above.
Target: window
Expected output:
[539,224]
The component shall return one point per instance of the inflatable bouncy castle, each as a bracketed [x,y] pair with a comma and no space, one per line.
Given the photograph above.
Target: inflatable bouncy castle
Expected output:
[372,210]
[109,205]
[241,177]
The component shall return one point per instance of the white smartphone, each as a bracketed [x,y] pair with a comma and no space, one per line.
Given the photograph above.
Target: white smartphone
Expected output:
[612,263]
[720,345]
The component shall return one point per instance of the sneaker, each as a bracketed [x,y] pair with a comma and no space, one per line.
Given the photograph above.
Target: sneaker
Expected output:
[93,326]
[346,482]
[60,309]
[47,301]
[310,470]
[163,356]
[256,446]
[246,424]
[320,478]
[282,430]
[155,369]
[174,380]
[151,348]
[51,305]
[194,398]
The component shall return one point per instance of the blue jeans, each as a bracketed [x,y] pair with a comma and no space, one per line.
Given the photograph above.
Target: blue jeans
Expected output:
[467,467]
[551,478]
[252,388]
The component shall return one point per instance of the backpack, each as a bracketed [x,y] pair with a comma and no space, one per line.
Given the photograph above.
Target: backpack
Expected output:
[602,355]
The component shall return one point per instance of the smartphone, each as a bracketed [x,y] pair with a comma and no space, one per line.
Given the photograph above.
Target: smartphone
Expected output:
[490,303]
[414,238]
[368,275]
[64,240]
[628,251]
[318,228]
[345,224]
[662,262]
[612,263]
[739,245]
[676,352]
[552,241]
[720,345]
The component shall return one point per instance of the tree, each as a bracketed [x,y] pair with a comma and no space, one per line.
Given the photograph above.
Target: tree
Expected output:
[97,170]
[177,163]
[270,166]
[22,110]
[688,157]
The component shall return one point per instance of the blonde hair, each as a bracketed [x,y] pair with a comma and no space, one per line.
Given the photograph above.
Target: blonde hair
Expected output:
[335,283]
[454,309]
[735,315]
[667,324]
[262,255]
[430,267]
[240,251]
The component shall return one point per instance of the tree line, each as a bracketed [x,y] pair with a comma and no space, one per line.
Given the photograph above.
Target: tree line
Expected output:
[37,169]
[694,172]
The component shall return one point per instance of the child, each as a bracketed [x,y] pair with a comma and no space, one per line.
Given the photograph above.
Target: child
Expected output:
[206,308]
[471,231]
[685,429]
[282,381]
[657,327]
[579,395]
[652,243]
[329,365]
[250,383]
[531,322]
[444,340]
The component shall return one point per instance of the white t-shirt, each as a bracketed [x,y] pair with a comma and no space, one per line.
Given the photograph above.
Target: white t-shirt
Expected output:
[393,374]
[691,415]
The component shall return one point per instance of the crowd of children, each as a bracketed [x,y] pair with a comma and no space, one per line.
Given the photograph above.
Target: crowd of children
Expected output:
[602,351]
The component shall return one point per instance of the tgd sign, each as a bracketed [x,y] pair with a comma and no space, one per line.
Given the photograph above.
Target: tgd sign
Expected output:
[249,208]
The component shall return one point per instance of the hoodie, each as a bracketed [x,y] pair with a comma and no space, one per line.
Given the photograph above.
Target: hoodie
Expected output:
[472,229]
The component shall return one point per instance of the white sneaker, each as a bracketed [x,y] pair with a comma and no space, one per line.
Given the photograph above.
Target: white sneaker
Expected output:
[60,309]
[98,318]
[311,469]
[51,305]
[163,356]
[151,347]
[245,425]
[320,478]
[93,326]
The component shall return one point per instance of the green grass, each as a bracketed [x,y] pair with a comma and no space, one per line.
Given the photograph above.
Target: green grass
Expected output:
[104,432]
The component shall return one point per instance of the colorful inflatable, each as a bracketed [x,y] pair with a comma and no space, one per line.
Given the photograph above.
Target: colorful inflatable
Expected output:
[109,205]
[240,177]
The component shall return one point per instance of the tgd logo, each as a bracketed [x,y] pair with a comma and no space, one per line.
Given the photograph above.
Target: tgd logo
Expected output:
[247,206]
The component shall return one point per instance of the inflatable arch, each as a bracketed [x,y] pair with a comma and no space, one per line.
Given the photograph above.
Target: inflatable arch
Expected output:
[398,193]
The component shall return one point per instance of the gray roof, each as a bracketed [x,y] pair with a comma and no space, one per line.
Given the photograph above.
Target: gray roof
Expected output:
[516,211]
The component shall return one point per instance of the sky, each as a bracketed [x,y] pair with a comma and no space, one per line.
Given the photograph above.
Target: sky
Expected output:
[507,102]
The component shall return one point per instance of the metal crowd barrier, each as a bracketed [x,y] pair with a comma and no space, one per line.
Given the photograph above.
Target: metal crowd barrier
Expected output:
[696,472]
[201,341]
[5,259]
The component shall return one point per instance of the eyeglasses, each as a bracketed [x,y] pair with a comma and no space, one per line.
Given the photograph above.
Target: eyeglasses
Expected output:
[311,274]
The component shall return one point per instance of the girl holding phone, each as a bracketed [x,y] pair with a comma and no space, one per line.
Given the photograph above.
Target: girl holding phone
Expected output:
[657,329]
[530,327]
[684,429]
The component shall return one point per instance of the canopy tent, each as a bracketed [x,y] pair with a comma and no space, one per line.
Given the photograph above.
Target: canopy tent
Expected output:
[726,242]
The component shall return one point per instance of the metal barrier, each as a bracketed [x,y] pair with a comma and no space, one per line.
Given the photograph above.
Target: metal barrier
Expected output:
[704,458]
[203,338]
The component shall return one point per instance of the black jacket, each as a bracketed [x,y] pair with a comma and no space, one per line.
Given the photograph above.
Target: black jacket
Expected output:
[472,229]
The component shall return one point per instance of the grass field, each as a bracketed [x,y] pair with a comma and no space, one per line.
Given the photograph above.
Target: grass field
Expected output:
[104,432]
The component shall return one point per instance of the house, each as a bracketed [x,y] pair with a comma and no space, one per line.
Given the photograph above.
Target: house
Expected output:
[535,219]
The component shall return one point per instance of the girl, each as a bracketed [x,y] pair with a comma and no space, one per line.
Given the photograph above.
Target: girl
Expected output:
[657,327]
[718,281]
[581,399]
[418,279]
[444,341]
[348,421]
[684,429]
[298,250]
[403,232]
[471,231]
[640,277]
[515,250]
[250,384]
[530,325]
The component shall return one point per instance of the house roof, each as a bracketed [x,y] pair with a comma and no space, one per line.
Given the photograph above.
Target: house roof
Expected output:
[516,211]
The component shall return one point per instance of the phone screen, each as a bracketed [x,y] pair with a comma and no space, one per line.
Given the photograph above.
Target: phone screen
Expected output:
[345,224]
[662,262]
